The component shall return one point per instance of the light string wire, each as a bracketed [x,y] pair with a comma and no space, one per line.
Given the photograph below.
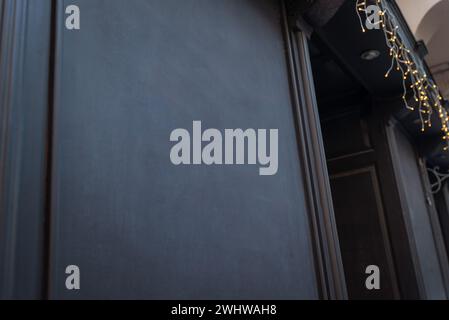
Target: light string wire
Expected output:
[426,95]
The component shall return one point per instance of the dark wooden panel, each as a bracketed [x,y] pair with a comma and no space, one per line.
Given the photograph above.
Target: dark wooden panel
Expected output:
[139,227]
[374,153]
[346,135]
[363,234]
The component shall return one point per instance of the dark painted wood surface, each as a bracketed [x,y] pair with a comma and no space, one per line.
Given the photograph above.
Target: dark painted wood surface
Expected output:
[358,202]
[363,235]
[137,226]
[425,237]
[24,77]
[384,211]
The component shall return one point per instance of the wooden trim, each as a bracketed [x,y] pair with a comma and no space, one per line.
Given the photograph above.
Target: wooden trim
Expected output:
[392,145]
[329,265]
[47,263]
[24,30]
[442,207]
[53,225]
[11,62]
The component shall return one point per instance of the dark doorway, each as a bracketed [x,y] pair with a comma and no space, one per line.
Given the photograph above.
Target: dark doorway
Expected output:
[353,151]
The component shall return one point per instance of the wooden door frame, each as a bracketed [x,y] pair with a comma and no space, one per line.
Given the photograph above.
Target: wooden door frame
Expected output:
[328,262]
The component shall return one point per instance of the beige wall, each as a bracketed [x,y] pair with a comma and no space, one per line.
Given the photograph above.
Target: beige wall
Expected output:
[429,21]
[415,10]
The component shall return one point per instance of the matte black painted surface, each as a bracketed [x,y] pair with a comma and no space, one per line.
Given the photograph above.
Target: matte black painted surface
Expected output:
[137,226]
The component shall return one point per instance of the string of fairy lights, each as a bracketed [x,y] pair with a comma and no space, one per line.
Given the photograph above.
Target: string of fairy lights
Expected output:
[426,95]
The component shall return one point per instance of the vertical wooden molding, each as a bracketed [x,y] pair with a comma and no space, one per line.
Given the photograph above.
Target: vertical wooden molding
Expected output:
[436,226]
[393,148]
[24,73]
[47,262]
[13,21]
[329,265]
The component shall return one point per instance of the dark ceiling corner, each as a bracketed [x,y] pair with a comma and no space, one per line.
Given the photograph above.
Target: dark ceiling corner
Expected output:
[317,13]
